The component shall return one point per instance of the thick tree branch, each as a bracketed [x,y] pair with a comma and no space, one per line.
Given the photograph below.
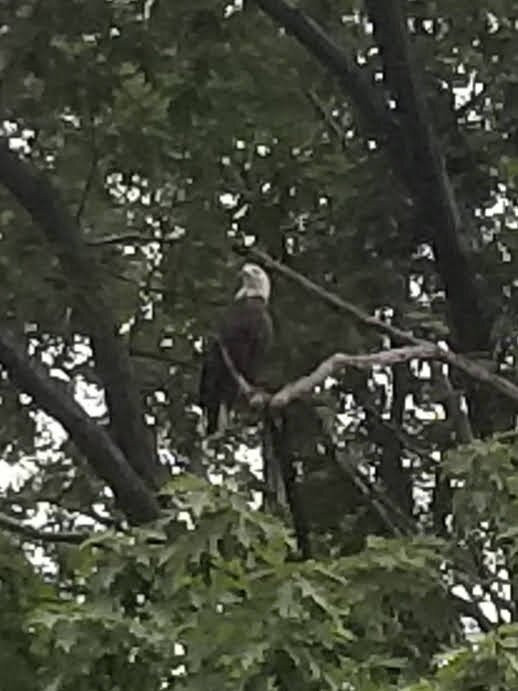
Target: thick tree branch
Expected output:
[375,115]
[412,147]
[105,457]
[429,178]
[37,196]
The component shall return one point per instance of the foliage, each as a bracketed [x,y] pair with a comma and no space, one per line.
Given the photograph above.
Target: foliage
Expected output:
[20,592]
[212,594]
[174,132]
[214,580]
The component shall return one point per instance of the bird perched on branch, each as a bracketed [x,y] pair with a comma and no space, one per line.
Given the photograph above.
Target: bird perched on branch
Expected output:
[246,333]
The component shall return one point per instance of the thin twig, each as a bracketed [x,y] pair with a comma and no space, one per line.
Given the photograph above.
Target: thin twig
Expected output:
[326,117]
[126,237]
[160,357]
[256,397]
[367,491]
[31,533]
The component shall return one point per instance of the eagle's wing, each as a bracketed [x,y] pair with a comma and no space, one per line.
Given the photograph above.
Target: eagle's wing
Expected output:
[246,333]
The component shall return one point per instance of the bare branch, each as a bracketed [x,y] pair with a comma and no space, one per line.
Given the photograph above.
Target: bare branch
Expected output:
[481,374]
[256,397]
[337,362]
[14,526]
[327,117]
[105,457]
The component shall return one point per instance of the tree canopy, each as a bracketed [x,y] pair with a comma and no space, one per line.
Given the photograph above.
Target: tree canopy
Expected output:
[365,154]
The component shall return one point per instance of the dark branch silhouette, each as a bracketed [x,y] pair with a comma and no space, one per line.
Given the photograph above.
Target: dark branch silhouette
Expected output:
[105,457]
[34,534]
[427,176]
[412,147]
[37,196]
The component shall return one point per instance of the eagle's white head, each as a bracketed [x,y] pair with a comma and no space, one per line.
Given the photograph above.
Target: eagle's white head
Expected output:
[256,283]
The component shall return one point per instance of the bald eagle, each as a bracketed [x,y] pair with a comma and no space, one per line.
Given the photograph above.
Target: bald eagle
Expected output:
[246,332]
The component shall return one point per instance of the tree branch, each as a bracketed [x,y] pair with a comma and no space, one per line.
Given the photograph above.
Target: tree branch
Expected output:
[375,115]
[14,526]
[337,362]
[332,299]
[327,118]
[429,179]
[413,149]
[469,608]
[105,457]
[472,369]
[37,196]
[246,389]
[375,498]
[126,238]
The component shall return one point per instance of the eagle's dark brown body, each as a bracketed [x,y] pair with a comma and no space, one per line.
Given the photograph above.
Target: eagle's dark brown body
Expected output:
[246,333]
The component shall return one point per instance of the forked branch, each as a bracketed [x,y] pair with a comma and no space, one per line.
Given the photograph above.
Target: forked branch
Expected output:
[469,367]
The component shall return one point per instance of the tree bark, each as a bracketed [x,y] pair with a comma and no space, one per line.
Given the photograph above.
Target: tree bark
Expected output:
[412,147]
[135,499]
[37,196]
